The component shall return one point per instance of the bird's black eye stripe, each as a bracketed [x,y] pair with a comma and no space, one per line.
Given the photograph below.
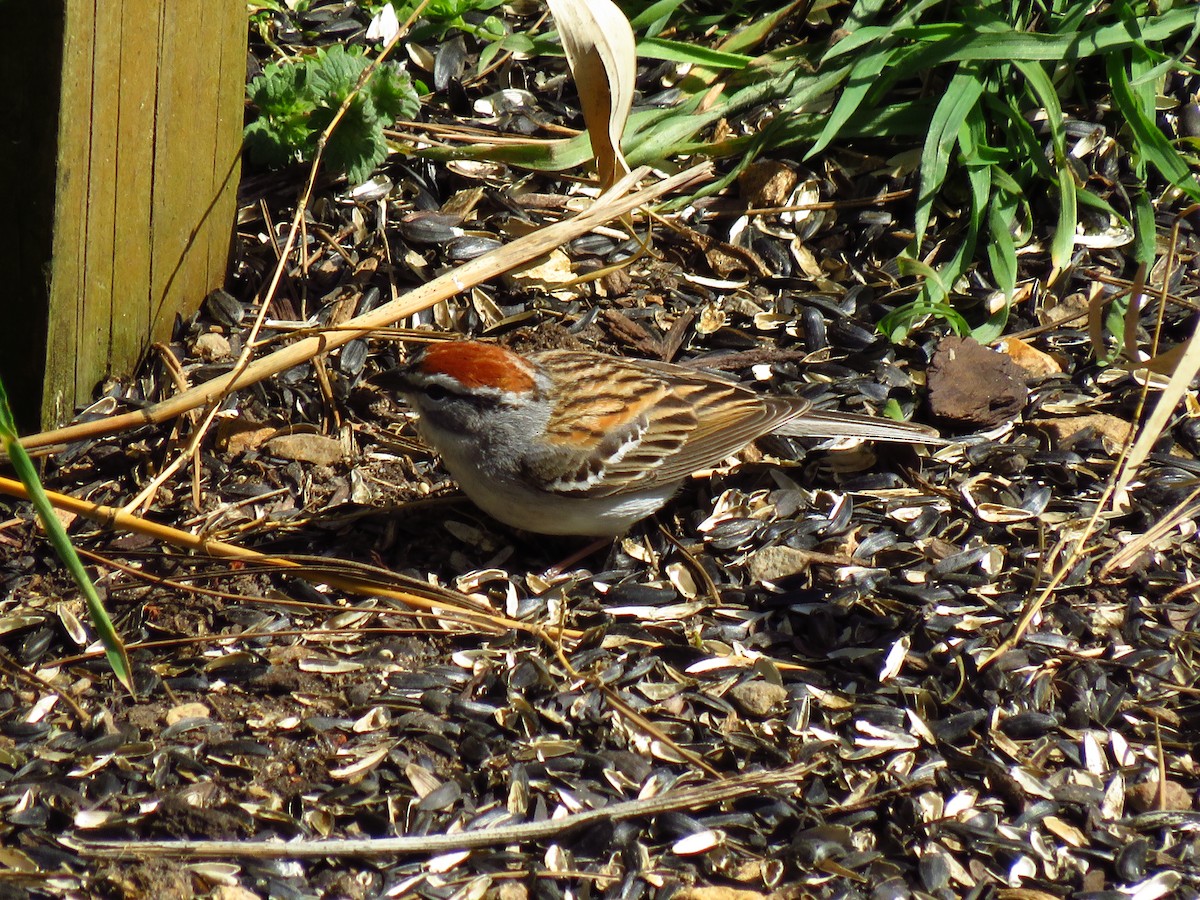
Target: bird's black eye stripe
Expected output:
[438,392]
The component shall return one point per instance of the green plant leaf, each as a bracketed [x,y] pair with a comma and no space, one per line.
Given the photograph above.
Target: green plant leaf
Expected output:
[334,75]
[861,80]
[392,93]
[277,144]
[1152,144]
[280,90]
[114,648]
[678,51]
[297,102]
[357,145]
[960,97]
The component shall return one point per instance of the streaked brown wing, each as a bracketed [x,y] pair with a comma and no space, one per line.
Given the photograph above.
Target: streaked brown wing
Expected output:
[728,418]
[796,418]
[650,423]
[616,433]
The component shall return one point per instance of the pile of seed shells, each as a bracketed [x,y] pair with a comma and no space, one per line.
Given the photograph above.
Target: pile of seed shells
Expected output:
[797,673]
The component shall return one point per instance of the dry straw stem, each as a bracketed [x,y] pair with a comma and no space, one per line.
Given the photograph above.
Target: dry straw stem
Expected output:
[1181,379]
[611,205]
[1127,555]
[698,797]
[441,602]
[1134,452]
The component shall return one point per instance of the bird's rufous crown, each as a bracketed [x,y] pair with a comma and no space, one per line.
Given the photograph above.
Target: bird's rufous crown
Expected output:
[475,365]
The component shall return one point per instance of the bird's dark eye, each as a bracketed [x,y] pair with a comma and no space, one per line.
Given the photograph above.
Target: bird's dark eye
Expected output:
[436,392]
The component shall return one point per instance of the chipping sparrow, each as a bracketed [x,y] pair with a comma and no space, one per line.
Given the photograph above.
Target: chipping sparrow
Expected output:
[573,442]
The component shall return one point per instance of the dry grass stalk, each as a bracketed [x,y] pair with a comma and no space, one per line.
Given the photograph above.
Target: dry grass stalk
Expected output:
[612,205]
[442,602]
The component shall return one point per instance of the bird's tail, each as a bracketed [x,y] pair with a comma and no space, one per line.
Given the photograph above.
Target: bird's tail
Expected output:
[822,423]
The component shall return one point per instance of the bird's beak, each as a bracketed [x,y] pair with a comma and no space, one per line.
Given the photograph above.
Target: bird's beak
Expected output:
[395,380]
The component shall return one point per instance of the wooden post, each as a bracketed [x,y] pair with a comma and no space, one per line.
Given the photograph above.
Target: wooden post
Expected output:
[124,167]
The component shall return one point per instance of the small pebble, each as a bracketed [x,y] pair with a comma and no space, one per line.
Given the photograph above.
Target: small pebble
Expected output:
[774,563]
[310,448]
[759,698]
[971,385]
[1143,797]
[211,347]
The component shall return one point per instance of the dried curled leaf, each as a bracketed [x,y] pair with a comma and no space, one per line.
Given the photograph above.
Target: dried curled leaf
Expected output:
[598,41]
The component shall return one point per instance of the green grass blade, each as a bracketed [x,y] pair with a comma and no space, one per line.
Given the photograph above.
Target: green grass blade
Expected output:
[897,323]
[1144,243]
[654,13]
[927,273]
[1043,88]
[678,51]
[1018,135]
[1017,45]
[868,35]
[660,140]
[651,134]
[1151,142]
[1063,243]
[114,648]
[1001,247]
[861,80]
[861,12]
[1141,66]
[961,96]
[760,29]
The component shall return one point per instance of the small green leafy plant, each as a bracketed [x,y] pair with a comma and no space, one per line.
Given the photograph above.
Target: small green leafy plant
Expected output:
[297,99]
[443,16]
[440,17]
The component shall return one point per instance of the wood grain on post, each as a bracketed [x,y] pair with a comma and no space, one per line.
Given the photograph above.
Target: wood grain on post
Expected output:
[126,163]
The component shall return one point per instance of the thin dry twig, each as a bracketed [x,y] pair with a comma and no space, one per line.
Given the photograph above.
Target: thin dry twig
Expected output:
[687,798]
